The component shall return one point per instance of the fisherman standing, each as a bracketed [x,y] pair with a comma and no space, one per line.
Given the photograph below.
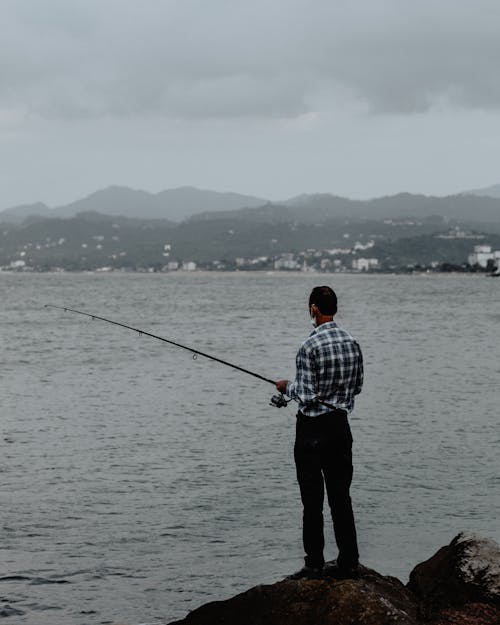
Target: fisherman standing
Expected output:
[330,369]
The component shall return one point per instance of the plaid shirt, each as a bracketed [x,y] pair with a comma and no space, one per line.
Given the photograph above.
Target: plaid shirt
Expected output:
[329,367]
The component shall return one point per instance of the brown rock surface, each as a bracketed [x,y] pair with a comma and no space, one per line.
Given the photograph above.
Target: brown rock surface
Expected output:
[459,585]
[469,614]
[371,600]
[465,571]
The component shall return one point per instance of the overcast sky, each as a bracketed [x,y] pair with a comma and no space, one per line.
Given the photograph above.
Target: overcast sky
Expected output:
[268,97]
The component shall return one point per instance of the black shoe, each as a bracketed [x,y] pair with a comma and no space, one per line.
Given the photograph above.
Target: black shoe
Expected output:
[334,571]
[307,572]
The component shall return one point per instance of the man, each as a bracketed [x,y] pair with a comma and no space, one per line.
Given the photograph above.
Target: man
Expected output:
[329,375]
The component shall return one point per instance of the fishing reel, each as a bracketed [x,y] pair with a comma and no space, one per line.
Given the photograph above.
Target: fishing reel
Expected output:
[279,401]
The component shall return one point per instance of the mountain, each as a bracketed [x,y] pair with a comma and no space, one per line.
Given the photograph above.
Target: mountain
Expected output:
[91,241]
[318,208]
[20,213]
[112,201]
[402,205]
[493,191]
[201,205]
[172,204]
[187,201]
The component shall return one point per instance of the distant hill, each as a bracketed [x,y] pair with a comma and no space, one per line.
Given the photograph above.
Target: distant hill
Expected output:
[401,205]
[20,213]
[318,208]
[91,241]
[493,191]
[172,204]
[200,205]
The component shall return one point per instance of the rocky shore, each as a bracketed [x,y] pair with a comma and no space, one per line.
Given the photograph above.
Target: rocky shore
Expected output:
[459,585]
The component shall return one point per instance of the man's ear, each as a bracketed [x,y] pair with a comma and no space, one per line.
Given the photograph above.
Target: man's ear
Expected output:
[314,309]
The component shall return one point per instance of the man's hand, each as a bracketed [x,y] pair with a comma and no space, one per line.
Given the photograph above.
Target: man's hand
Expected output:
[281,385]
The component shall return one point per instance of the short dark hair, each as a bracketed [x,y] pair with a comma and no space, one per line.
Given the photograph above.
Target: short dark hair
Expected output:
[325,299]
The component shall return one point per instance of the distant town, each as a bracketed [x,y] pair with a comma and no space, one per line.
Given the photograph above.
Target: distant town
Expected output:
[353,258]
[321,233]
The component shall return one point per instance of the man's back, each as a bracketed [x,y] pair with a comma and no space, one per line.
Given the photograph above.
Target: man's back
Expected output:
[329,367]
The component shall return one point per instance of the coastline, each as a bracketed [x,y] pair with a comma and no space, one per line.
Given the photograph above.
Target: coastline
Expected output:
[263,272]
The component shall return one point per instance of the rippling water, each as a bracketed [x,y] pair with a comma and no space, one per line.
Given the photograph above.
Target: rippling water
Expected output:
[137,483]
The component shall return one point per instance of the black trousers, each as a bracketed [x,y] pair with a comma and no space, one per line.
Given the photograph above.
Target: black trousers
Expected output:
[323,456]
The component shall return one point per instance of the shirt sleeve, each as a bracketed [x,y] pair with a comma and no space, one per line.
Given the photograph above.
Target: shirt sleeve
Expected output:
[304,388]
[360,375]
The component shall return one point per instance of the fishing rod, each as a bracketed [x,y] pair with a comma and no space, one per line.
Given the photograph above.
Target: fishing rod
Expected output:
[279,401]
[195,352]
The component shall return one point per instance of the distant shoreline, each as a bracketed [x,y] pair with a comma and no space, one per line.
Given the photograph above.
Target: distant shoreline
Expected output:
[263,272]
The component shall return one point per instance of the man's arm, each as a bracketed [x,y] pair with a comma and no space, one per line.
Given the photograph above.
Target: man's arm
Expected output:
[304,388]
[360,373]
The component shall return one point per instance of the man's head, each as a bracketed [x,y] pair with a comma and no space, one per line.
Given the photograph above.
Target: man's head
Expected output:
[322,304]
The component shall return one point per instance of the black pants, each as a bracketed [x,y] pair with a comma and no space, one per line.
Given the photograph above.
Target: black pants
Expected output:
[323,455]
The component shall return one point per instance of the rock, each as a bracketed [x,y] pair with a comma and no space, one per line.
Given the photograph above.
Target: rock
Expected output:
[459,585]
[465,571]
[469,614]
[371,600]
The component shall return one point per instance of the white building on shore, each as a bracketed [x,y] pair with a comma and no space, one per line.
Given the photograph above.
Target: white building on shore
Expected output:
[286,261]
[365,264]
[482,254]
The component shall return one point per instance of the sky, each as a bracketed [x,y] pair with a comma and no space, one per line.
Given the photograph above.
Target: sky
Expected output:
[274,98]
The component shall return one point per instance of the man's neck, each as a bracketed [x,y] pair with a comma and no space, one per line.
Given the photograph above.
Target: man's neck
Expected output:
[321,319]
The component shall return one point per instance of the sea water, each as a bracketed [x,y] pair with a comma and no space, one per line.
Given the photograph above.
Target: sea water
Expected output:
[137,483]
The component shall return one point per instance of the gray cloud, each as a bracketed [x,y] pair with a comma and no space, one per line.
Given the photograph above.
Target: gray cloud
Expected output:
[230,58]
